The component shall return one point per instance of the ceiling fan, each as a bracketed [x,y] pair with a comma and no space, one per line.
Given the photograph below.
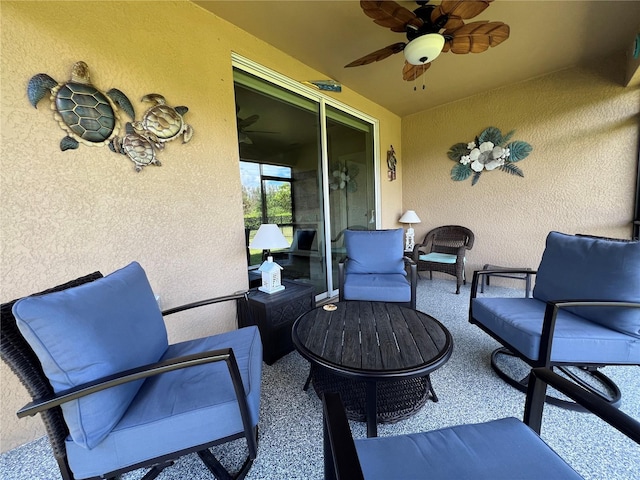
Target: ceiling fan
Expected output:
[244,124]
[431,30]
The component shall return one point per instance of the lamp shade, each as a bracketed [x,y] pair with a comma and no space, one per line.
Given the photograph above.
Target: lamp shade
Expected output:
[409,217]
[424,49]
[267,237]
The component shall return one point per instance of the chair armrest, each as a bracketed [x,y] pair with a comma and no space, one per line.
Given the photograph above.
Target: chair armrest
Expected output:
[541,377]
[236,296]
[341,273]
[132,375]
[408,261]
[551,313]
[340,456]
[478,273]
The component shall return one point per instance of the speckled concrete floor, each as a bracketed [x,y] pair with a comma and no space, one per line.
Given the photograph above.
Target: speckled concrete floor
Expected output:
[291,422]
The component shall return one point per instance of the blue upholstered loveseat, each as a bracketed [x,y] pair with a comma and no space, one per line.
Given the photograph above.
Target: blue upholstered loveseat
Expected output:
[585,309]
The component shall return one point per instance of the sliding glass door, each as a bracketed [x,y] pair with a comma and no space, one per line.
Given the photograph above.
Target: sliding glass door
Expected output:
[307,166]
[351,179]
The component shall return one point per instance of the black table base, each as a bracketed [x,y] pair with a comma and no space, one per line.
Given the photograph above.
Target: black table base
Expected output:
[396,399]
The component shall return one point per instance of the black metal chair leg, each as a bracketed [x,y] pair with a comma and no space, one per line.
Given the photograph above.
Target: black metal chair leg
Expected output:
[155,471]
[612,397]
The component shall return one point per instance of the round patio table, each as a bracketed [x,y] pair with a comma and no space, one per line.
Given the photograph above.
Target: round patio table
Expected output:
[377,355]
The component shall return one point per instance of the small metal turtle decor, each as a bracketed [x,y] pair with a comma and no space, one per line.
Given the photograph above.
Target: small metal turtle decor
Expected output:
[137,146]
[160,124]
[88,115]
[164,122]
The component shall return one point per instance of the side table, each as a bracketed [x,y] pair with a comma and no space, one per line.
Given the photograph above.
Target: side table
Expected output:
[274,315]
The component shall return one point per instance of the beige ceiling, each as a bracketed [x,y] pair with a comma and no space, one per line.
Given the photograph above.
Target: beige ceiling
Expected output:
[546,36]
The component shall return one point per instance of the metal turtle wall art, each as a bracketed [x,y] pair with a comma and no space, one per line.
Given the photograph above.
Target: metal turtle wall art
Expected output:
[164,122]
[137,146]
[88,115]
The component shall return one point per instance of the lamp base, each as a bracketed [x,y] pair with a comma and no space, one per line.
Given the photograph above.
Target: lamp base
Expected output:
[271,290]
[409,239]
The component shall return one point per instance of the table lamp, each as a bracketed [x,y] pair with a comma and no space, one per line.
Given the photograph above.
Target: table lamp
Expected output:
[267,237]
[409,217]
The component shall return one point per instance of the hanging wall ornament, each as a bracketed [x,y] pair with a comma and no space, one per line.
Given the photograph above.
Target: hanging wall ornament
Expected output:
[489,151]
[391,164]
[163,121]
[137,146]
[88,115]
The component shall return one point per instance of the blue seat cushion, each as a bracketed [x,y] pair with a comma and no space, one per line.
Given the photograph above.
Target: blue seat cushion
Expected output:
[377,288]
[518,321]
[375,251]
[496,450]
[180,409]
[90,331]
[583,268]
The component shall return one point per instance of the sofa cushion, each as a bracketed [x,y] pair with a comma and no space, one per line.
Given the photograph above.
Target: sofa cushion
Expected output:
[518,321]
[180,409]
[90,331]
[375,251]
[584,268]
[499,449]
[377,288]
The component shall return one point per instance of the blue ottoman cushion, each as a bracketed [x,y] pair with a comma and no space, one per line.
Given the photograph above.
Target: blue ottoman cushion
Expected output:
[500,449]
[583,268]
[119,317]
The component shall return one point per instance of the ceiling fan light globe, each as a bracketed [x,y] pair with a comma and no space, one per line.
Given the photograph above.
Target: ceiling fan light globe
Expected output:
[424,49]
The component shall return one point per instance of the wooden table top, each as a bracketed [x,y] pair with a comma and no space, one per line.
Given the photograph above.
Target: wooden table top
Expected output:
[372,340]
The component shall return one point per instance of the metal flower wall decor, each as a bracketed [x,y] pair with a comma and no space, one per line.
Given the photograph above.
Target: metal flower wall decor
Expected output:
[490,151]
[344,177]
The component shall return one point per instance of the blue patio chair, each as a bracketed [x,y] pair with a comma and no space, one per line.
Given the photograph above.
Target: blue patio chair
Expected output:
[584,314]
[374,268]
[499,449]
[113,394]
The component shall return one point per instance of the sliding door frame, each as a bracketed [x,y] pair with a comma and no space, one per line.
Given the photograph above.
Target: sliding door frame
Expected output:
[323,100]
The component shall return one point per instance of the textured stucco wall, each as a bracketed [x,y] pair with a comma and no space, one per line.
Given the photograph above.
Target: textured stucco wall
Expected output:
[580,178]
[65,214]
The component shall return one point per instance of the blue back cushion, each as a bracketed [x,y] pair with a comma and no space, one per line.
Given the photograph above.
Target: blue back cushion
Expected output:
[375,251]
[583,268]
[90,331]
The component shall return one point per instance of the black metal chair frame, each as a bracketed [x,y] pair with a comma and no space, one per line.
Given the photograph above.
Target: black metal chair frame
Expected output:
[340,455]
[413,280]
[449,239]
[16,352]
[612,395]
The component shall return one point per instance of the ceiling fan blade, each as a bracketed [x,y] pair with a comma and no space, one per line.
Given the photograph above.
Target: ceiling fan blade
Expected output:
[378,55]
[476,37]
[246,122]
[458,10]
[390,15]
[411,72]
